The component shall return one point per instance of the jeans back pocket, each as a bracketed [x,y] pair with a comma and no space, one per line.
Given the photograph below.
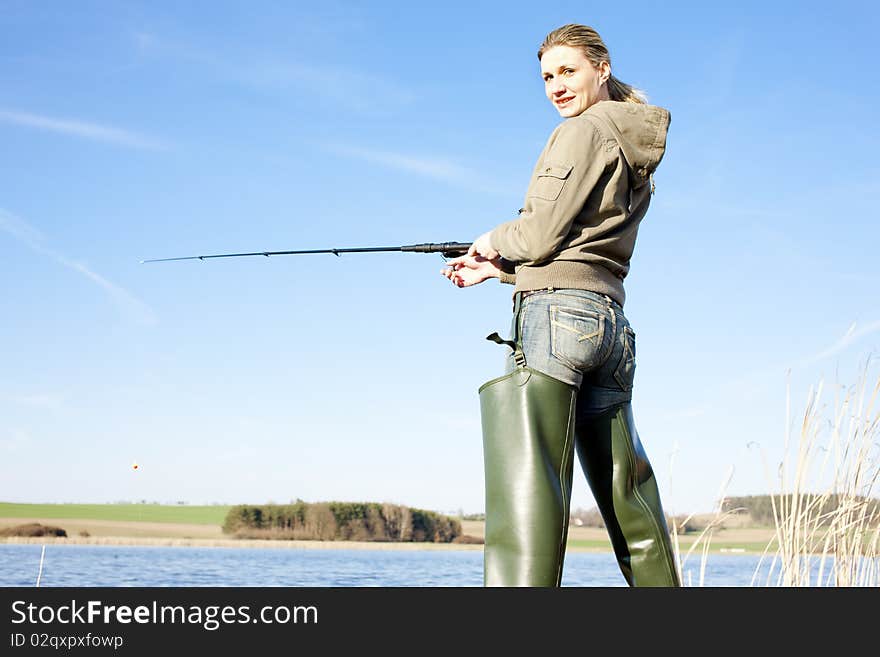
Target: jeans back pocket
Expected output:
[577,336]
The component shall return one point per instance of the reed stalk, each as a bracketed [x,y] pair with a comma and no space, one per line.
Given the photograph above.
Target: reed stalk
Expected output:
[826,515]
[40,572]
[704,539]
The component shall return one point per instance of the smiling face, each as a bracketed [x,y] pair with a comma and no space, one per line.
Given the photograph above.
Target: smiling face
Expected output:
[571,82]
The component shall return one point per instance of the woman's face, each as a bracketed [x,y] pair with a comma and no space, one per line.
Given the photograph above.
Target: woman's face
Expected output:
[571,82]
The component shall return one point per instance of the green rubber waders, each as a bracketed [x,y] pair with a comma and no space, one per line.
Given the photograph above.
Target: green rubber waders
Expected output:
[623,484]
[528,450]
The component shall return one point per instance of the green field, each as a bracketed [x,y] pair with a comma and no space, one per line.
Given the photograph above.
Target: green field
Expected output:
[195,515]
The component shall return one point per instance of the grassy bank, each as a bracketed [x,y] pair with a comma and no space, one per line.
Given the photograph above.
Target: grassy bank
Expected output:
[149,513]
[161,524]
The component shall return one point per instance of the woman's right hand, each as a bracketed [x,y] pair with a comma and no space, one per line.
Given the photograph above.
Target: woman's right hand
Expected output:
[468,270]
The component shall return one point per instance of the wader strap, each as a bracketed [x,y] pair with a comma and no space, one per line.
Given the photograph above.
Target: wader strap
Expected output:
[518,354]
[517,305]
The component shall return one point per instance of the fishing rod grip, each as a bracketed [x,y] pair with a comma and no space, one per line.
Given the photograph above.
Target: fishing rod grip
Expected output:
[448,249]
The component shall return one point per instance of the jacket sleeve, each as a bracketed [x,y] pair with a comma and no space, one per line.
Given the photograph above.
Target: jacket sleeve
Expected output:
[508,272]
[571,164]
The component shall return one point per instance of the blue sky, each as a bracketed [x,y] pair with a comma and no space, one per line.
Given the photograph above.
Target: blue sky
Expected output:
[146,130]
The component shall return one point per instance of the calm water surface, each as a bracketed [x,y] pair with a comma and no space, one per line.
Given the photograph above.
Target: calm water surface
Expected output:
[106,565]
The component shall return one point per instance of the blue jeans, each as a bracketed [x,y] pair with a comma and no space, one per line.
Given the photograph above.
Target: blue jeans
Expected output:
[579,337]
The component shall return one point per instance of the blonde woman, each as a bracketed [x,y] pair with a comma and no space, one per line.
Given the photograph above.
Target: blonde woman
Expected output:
[569,376]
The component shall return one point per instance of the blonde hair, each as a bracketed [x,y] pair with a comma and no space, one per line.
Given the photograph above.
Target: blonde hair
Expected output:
[588,41]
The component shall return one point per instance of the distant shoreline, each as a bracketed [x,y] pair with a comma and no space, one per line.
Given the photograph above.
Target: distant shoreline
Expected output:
[146,541]
[82,531]
[267,544]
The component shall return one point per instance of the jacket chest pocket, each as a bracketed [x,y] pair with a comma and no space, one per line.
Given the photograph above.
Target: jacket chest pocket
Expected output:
[549,181]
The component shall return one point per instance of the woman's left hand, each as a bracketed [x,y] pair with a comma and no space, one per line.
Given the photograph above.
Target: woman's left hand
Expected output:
[483,247]
[471,270]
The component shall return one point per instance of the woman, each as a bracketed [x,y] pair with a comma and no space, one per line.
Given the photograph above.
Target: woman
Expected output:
[569,379]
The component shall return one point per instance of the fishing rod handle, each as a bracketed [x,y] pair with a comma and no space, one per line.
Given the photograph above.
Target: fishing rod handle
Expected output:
[448,249]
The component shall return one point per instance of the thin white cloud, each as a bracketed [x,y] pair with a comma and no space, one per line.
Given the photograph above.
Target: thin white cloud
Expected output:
[852,335]
[351,89]
[149,44]
[360,91]
[427,167]
[756,383]
[31,237]
[430,167]
[22,231]
[83,130]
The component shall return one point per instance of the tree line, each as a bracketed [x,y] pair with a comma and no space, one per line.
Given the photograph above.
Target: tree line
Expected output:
[760,507]
[341,521]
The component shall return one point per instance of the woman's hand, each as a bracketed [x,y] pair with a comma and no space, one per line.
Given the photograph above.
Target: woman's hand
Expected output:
[469,270]
[483,247]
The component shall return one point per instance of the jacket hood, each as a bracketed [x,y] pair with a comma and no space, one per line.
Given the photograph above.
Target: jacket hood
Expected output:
[639,129]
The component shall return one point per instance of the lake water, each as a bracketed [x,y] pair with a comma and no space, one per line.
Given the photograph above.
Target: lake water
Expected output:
[105,565]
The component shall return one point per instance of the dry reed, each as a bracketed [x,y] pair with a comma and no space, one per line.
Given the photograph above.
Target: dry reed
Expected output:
[827,520]
[704,540]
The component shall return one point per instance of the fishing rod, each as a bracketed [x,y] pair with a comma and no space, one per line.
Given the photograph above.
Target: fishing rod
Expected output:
[447,249]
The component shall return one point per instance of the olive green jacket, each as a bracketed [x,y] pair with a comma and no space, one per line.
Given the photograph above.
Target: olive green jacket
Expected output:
[588,193]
